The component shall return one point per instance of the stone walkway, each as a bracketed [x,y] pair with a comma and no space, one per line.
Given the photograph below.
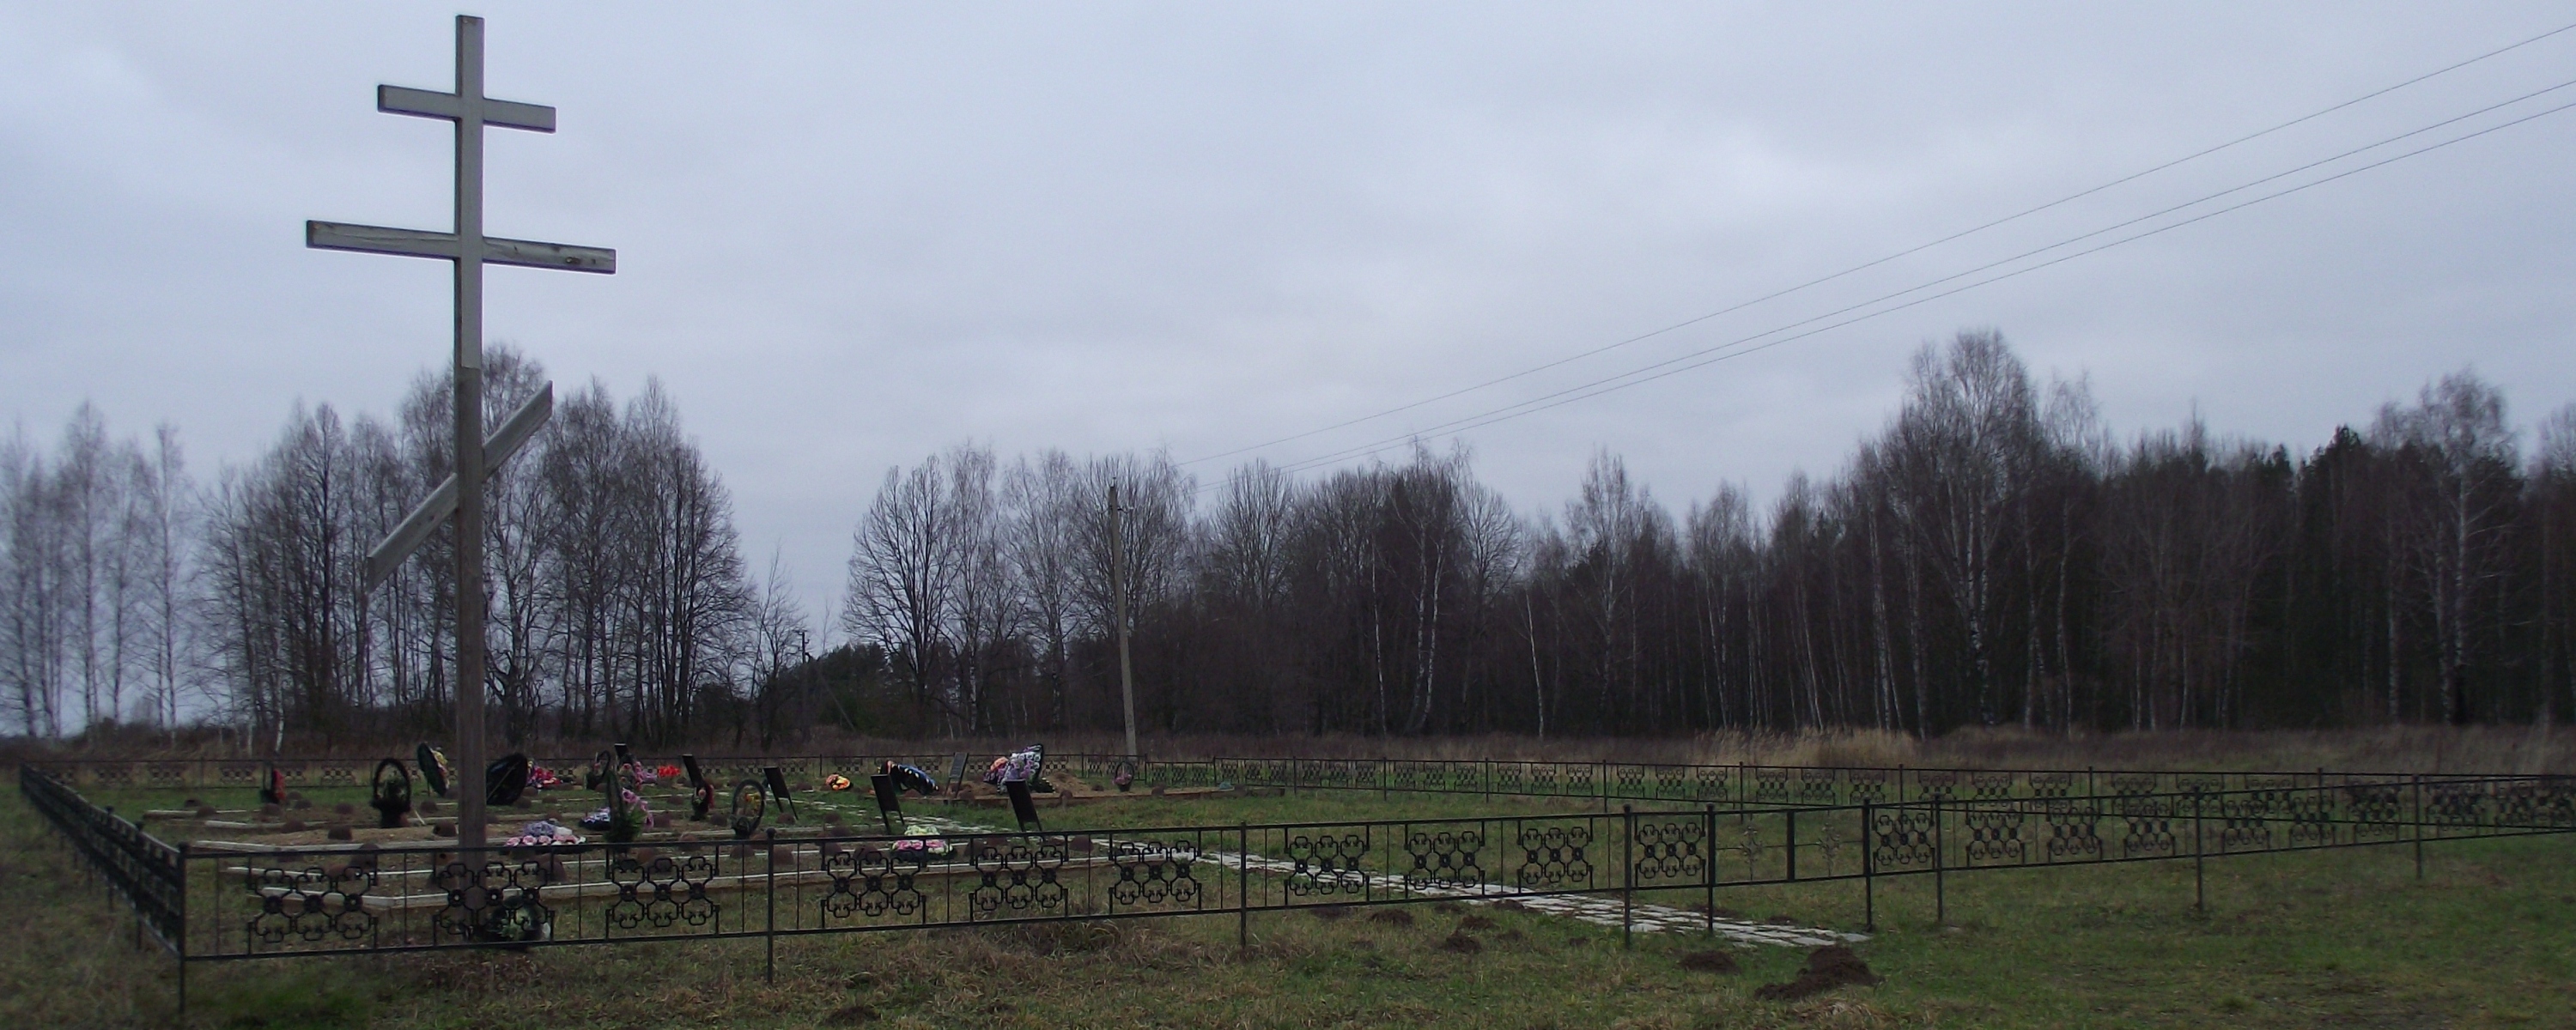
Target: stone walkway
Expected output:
[1590,908]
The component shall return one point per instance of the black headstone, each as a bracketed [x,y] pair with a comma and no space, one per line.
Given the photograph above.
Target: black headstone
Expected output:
[778,788]
[889,802]
[1022,807]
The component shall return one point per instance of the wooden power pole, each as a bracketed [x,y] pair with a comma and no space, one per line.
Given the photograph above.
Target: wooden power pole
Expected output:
[1118,591]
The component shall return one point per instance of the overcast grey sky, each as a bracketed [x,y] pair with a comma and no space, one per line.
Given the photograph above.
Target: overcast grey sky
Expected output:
[850,235]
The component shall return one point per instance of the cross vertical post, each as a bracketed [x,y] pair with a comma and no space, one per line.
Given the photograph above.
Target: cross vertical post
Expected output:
[470,613]
[469,250]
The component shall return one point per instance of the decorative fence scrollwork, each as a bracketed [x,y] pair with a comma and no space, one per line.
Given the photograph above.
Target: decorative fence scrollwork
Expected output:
[1447,857]
[1902,838]
[1155,873]
[874,882]
[1018,878]
[1670,851]
[2074,830]
[1994,832]
[661,890]
[492,900]
[311,903]
[1327,864]
[1555,856]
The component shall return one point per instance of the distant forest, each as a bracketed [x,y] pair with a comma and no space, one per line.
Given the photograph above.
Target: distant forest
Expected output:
[1992,556]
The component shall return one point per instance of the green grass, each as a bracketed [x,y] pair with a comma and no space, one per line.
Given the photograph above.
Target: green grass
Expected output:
[2327,938]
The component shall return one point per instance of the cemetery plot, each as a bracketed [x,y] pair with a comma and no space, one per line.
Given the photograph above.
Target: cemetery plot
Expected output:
[803,853]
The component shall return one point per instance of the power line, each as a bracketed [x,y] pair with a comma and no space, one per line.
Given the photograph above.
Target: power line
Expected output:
[1712,355]
[1776,294]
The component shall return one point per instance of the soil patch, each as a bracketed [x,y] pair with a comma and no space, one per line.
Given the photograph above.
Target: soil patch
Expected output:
[1391,917]
[1328,913]
[1709,962]
[1459,942]
[1827,968]
[1476,922]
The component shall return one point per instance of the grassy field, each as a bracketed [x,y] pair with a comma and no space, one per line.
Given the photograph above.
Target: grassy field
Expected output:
[2345,938]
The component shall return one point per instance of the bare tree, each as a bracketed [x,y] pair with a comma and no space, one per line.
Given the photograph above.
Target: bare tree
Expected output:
[2465,487]
[1042,538]
[902,582]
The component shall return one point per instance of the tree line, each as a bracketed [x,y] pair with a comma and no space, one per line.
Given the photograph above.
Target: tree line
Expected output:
[620,603]
[1992,555]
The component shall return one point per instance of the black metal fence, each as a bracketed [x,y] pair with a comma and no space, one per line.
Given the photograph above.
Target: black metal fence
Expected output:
[205,903]
[1603,782]
[140,870]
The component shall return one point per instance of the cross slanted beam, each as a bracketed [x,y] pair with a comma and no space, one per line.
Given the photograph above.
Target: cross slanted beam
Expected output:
[416,527]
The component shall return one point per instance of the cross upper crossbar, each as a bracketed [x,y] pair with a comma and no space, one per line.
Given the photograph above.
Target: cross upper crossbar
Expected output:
[377,239]
[423,103]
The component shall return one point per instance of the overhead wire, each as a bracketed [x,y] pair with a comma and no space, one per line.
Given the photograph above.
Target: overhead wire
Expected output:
[1746,345]
[1916,249]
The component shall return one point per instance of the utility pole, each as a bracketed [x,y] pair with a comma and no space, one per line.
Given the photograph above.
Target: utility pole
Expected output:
[1118,590]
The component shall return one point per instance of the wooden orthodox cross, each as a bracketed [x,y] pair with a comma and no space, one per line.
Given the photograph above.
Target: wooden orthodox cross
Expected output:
[470,250]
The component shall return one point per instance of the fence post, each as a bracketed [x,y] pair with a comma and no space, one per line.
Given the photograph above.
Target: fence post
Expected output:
[2199,858]
[2419,827]
[1243,890]
[1793,845]
[1627,876]
[1940,866]
[1709,821]
[181,945]
[769,937]
[1868,869]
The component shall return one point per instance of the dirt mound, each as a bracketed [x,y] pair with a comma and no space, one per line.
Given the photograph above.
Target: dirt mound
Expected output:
[1459,942]
[1476,922]
[1391,917]
[1709,962]
[1509,905]
[1328,913]
[1827,967]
